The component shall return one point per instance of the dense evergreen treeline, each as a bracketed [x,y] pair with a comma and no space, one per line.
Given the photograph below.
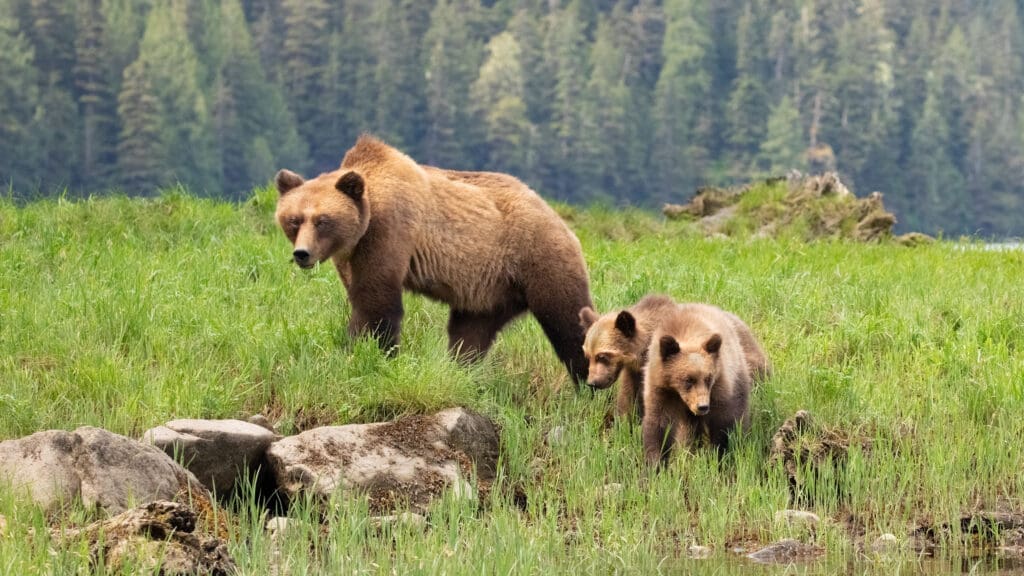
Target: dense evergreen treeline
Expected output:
[624,100]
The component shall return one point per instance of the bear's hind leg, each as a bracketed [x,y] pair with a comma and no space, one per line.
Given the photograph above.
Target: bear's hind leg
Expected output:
[471,334]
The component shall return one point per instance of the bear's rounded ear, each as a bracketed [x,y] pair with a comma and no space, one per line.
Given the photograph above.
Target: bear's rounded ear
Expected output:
[714,344]
[626,323]
[587,317]
[669,347]
[351,184]
[287,180]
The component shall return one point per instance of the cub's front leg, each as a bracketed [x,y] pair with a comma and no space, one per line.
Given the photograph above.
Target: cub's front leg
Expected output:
[629,398]
[654,432]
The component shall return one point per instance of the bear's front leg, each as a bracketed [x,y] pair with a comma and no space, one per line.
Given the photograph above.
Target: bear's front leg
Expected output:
[377,309]
[629,400]
[656,441]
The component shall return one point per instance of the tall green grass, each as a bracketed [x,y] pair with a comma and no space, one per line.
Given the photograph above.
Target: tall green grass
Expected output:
[124,313]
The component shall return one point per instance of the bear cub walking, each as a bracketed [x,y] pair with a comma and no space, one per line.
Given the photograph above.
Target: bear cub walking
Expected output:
[616,348]
[702,363]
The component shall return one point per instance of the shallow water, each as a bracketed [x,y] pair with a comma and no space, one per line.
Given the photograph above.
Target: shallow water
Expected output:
[736,564]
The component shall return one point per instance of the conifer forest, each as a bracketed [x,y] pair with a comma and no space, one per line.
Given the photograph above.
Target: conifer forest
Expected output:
[632,102]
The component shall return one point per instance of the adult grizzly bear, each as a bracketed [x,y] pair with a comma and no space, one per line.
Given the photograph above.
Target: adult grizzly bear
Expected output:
[482,242]
[616,345]
[702,363]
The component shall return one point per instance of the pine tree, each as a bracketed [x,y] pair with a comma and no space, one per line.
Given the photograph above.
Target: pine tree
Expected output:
[94,93]
[605,113]
[399,27]
[52,31]
[748,102]
[302,61]
[18,95]
[173,70]
[141,154]
[561,158]
[453,60]
[498,103]
[681,112]
[783,146]
[248,112]
[939,198]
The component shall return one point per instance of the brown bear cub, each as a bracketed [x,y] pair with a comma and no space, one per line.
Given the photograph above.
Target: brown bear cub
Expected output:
[616,348]
[482,242]
[701,366]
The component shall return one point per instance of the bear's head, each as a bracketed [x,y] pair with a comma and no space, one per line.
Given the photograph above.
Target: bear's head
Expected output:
[612,343]
[689,369]
[323,217]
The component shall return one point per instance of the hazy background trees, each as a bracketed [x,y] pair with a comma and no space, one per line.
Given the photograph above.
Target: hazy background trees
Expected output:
[627,101]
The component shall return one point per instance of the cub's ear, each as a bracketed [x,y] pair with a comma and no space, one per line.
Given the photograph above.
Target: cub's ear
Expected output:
[626,323]
[587,317]
[351,184]
[287,180]
[669,347]
[714,344]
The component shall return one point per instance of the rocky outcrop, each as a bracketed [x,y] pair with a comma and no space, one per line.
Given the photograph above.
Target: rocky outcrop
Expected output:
[217,451]
[105,470]
[817,206]
[156,538]
[405,463]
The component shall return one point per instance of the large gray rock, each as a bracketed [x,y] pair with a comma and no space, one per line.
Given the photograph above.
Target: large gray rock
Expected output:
[105,470]
[217,451]
[406,462]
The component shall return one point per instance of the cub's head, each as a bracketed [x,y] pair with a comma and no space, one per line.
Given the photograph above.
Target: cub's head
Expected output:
[611,343]
[323,217]
[689,370]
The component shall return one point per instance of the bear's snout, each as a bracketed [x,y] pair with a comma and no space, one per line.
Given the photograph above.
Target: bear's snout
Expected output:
[702,409]
[302,258]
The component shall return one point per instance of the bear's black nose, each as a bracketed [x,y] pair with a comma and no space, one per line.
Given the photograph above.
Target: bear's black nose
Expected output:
[301,257]
[703,409]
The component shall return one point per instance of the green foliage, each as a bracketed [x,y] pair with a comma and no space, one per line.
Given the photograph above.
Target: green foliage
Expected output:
[630,101]
[124,313]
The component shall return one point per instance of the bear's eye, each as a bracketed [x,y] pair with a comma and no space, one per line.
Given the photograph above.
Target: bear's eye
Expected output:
[323,224]
[691,381]
[603,359]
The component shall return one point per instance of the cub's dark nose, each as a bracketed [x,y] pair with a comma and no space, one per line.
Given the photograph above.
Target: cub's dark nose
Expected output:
[301,257]
[703,409]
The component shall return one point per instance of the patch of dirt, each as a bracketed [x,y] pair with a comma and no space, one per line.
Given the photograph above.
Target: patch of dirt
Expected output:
[985,531]
[802,447]
[387,494]
[420,436]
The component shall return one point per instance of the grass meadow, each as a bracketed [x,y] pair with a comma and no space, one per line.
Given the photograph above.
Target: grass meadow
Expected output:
[125,313]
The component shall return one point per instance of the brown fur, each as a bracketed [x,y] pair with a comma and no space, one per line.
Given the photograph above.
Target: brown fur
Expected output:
[616,348]
[483,243]
[702,363]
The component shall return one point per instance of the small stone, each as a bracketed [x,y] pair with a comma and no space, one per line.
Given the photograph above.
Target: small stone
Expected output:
[787,550]
[885,543]
[809,519]
[609,490]
[698,552]
[405,519]
[556,436]
[278,526]
[262,421]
